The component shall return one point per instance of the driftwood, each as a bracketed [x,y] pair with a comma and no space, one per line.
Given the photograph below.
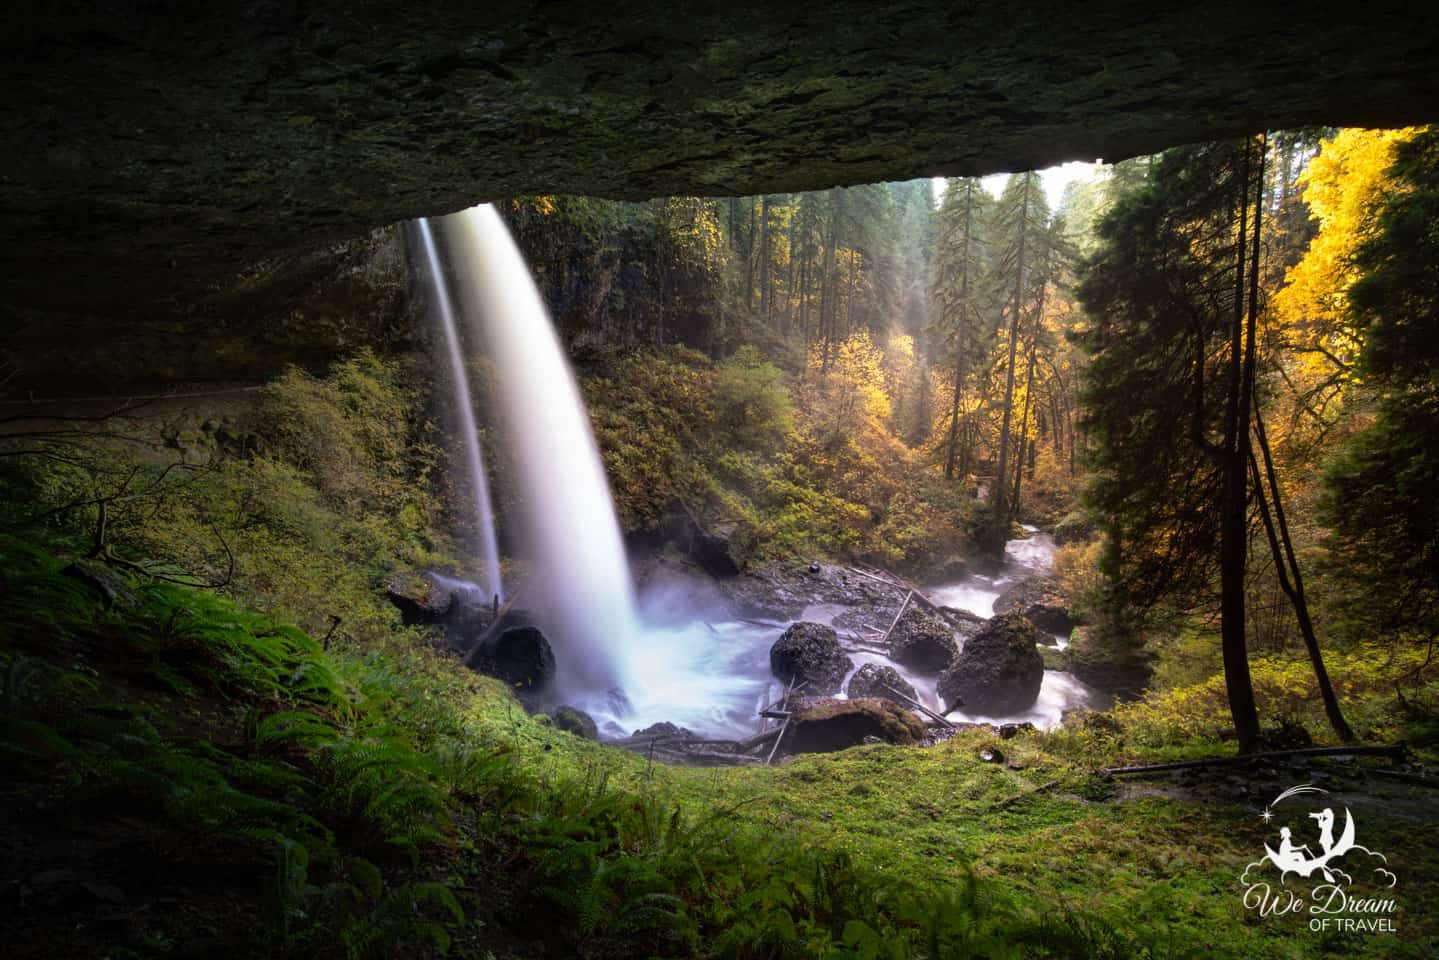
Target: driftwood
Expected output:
[918,706]
[758,740]
[775,714]
[779,738]
[490,631]
[895,622]
[917,595]
[1395,750]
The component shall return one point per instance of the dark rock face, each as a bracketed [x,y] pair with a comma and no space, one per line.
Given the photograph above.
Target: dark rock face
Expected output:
[1038,599]
[520,656]
[426,599]
[809,654]
[1107,665]
[923,641]
[998,672]
[576,721]
[708,548]
[107,582]
[823,725]
[873,680]
[156,144]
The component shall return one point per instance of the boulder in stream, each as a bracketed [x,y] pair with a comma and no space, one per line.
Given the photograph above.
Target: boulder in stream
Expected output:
[809,654]
[923,640]
[1041,602]
[999,671]
[873,680]
[825,724]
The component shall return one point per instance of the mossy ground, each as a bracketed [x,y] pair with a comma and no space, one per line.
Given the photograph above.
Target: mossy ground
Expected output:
[214,782]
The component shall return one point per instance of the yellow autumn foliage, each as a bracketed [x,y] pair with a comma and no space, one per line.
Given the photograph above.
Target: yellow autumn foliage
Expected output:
[1342,185]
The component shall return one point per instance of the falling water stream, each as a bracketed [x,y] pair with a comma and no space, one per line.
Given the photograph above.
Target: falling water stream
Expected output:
[578,579]
[464,406]
[667,656]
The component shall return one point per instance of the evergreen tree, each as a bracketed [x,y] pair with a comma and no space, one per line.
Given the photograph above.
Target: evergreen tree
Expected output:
[1168,389]
[1022,217]
[959,296]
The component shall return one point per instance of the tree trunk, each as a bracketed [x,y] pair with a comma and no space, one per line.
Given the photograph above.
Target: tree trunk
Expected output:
[1233,509]
[960,331]
[1286,567]
[749,261]
[765,306]
[1001,512]
[1024,423]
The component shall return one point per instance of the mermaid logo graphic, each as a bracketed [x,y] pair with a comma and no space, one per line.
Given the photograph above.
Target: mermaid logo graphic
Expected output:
[1330,864]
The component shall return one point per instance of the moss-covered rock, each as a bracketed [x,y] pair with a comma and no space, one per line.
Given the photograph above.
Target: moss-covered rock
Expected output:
[1107,663]
[1073,527]
[879,682]
[809,656]
[998,672]
[824,725]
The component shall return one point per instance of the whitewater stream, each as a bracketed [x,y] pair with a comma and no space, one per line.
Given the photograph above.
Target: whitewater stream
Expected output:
[713,674]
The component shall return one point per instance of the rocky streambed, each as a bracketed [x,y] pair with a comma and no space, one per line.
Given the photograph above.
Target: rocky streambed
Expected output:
[831,655]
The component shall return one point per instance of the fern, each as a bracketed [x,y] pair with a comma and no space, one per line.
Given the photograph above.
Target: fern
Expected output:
[417,913]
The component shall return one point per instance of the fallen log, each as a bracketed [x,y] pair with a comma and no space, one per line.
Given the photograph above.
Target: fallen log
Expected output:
[1396,750]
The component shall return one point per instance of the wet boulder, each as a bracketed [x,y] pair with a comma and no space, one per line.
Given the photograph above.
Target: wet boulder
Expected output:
[809,654]
[825,724]
[965,622]
[520,656]
[923,640]
[576,721]
[1041,602]
[882,683]
[998,672]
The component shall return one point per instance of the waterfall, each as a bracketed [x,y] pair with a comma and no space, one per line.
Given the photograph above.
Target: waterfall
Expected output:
[464,404]
[578,580]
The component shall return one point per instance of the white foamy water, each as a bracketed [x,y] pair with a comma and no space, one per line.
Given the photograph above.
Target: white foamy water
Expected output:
[464,409]
[977,593]
[579,581]
[1059,692]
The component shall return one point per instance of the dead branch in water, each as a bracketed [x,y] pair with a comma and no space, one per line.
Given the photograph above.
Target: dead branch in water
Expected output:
[918,706]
